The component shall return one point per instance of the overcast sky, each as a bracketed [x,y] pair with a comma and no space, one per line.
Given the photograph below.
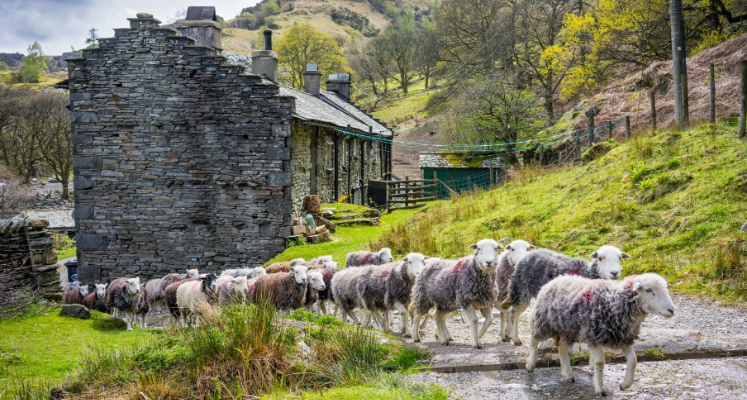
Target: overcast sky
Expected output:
[58,24]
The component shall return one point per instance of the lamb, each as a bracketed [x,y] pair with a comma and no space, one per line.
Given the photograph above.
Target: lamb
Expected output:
[315,284]
[399,286]
[285,290]
[248,273]
[126,295]
[76,296]
[507,261]
[283,266]
[601,314]
[97,299]
[541,266]
[468,283]
[232,290]
[190,296]
[361,258]
[345,292]
[171,278]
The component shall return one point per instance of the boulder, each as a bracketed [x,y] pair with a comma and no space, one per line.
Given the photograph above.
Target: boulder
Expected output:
[75,311]
[372,213]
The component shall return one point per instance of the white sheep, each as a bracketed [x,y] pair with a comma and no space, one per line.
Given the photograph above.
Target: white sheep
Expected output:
[361,258]
[315,284]
[192,295]
[539,267]
[600,313]
[507,261]
[320,260]
[232,289]
[248,273]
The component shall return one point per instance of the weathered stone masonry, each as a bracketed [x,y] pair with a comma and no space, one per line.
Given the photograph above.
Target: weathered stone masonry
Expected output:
[180,161]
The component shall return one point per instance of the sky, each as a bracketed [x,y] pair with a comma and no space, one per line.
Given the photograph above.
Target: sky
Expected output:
[59,24]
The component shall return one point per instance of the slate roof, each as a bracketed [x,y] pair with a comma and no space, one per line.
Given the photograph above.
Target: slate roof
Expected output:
[438,160]
[328,108]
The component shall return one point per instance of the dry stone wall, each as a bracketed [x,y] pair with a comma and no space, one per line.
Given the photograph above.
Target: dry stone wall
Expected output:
[180,160]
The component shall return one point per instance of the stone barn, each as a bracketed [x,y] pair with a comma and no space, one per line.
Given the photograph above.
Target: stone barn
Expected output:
[183,161]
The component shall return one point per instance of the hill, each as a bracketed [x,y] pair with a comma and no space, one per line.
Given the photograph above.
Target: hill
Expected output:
[675,200]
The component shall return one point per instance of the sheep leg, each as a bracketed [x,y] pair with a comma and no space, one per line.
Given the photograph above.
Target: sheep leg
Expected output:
[488,314]
[565,361]
[424,324]
[129,320]
[473,326]
[405,315]
[532,359]
[143,324]
[515,314]
[367,319]
[414,329]
[353,317]
[596,354]
[504,322]
[322,307]
[381,319]
[442,333]
[632,361]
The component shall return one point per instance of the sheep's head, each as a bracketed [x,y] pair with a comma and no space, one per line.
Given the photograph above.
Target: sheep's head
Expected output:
[385,254]
[486,253]
[297,261]
[193,274]
[132,285]
[414,262]
[330,264]
[84,290]
[259,271]
[238,285]
[316,280]
[298,272]
[518,249]
[324,259]
[653,294]
[608,261]
[100,290]
[209,280]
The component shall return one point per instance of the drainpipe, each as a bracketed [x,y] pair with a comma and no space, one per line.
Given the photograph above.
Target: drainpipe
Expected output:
[362,176]
[337,166]
[350,168]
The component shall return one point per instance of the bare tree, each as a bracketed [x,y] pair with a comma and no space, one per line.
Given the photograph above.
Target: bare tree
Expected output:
[427,48]
[55,139]
[14,196]
[400,44]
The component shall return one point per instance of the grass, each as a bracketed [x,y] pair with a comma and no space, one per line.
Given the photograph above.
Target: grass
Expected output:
[67,253]
[48,347]
[402,109]
[10,78]
[392,388]
[675,200]
[347,239]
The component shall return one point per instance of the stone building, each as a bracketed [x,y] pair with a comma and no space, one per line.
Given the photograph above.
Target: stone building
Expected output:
[183,161]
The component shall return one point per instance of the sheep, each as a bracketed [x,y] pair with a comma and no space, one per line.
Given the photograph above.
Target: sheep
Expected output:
[601,314]
[326,294]
[126,295]
[468,283]
[171,278]
[68,286]
[507,261]
[345,292]
[153,287]
[169,297]
[285,290]
[97,299]
[76,296]
[541,266]
[192,295]
[283,266]
[232,290]
[315,284]
[248,273]
[321,260]
[399,286]
[361,258]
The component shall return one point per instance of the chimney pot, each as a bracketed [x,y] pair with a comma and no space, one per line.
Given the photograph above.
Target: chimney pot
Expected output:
[312,79]
[202,26]
[265,62]
[340,84]
[268,39]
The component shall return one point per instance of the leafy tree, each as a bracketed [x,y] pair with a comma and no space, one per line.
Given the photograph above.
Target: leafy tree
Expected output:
[34,67]
[271,8]
[4,66]
[55,136]
[427,49]
[304,44]
[399,42]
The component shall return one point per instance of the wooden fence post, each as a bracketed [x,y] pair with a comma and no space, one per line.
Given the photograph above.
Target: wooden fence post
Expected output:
[407,190]
[578,144]
[743,112]
[627,126]
[653,110]
[712,73]
[590,116]
[609,131]
[491,176]
[435,181]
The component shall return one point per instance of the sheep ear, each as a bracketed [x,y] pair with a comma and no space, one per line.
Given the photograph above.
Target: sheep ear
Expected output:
[473,246]
[532,247]
[508,247]
[595,255]
[625,256]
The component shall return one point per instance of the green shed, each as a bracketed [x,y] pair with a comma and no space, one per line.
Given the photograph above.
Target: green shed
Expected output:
[456,173]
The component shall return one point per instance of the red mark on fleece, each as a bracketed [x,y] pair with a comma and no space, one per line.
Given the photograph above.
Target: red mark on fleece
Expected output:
[629,281]
[575,271]
[366,257]
[222,285]
[196,284]
[384,274]
[459,266]
[587,295]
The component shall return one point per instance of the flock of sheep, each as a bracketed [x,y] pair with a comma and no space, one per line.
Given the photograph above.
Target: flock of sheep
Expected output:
[576,299]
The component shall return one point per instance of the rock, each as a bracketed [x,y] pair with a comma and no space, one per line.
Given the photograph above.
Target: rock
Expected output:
[744,227]
[144,15]
[328,214]
[75,311]
[326,223]
[372,213]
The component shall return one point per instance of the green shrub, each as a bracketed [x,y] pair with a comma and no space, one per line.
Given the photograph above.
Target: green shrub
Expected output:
[598,150]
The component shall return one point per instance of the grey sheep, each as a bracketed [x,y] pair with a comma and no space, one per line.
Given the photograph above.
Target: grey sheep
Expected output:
[321,260]
[507,261]
[447,285]
[541,266]
[155,290]
[127,295]
[285,290]
[173,277]
[399,287]
[97,299]
[326,294]
[232,290]
[361,258]
[314,284]
[345,292]
[76,295]
[248,273]
[600,313]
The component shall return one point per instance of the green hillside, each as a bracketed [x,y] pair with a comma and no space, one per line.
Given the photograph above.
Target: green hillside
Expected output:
[675,200]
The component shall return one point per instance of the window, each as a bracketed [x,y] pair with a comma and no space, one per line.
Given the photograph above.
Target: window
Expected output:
[328,153]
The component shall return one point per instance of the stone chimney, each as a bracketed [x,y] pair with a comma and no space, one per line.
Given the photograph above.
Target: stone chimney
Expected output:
[202,25]
[312,79]
[265,62]
[340,84]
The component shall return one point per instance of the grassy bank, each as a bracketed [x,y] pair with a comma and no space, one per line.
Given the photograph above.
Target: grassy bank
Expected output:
[674,200]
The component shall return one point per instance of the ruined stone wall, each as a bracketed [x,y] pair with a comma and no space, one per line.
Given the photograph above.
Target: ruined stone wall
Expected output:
[179,161]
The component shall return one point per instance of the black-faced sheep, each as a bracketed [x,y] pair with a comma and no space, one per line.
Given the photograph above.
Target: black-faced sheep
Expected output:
[600,313]
[97,299]
[232,290]
[399,286]
[173,277]
[76,296]
[447,285]
[126,295]
[314,284]
[190,296]
[286,290]
[541,266]
[345,292]
[361,258]
[507,261]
